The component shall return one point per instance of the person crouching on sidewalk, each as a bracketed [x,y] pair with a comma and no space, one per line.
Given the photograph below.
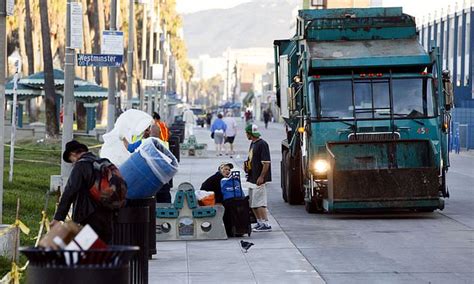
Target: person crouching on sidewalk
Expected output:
[258,172]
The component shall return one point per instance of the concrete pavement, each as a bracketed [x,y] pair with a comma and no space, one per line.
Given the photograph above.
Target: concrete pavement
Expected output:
[273,258]
[339,248]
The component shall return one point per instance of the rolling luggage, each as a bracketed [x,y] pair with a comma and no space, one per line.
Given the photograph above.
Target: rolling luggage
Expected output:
[236,214]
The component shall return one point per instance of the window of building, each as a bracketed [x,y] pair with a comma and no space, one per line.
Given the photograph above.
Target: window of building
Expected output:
[318,4]
[467,73]
[445,44]
[451,39]
[425,37]
[459,79]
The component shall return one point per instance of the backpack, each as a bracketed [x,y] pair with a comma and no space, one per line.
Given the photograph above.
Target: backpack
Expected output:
[109,189]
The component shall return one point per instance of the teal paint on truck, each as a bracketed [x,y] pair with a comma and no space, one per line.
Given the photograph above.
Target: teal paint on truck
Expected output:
[371,102]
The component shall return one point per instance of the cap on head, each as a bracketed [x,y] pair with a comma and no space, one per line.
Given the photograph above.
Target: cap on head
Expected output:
[230,165]
[252,129]
[72,147]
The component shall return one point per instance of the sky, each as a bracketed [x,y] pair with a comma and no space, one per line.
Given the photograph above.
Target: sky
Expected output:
[417,8]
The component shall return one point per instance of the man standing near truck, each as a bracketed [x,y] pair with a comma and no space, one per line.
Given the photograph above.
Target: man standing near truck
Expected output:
[259,173]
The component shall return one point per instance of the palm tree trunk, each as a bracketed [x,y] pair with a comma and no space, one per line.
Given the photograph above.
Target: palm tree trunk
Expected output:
[52,125]
[30,104]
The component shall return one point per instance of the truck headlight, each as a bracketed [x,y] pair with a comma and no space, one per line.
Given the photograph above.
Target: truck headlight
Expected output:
[321,166]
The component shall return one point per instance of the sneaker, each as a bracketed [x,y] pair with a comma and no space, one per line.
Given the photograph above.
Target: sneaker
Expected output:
[256,226]
[263,228]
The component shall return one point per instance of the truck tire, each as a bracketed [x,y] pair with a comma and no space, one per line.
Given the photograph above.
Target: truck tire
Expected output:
[283,176]
[293,180]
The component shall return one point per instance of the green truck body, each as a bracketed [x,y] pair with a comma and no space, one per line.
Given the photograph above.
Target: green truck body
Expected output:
[366,110]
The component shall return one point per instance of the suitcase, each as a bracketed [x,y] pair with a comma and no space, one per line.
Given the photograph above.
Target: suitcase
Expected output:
[237,212]
[237,217]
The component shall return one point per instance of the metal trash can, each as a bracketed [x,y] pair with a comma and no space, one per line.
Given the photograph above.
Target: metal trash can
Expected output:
[97,266]
[151,203]
[174,146]
[131,227]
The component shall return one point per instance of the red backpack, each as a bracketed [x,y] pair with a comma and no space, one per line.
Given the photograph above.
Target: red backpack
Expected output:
[109,188]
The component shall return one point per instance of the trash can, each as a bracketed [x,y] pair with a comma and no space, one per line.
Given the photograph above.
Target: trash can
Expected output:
[147,170]
[174,146]
[151,203]
[97,266]
[131,228]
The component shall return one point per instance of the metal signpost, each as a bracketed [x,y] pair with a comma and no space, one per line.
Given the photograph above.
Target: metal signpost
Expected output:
[3,48]
[14,118]
[73,40]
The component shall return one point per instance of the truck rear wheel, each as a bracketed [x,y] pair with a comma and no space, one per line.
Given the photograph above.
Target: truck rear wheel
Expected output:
[293,180]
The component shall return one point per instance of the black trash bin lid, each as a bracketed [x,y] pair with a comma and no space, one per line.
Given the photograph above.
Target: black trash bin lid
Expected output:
[112,256]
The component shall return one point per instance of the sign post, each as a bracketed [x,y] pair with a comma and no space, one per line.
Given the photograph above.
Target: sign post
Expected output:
[14,119]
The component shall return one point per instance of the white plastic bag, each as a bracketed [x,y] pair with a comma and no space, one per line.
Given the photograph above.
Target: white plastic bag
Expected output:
[130,123]
[160,160]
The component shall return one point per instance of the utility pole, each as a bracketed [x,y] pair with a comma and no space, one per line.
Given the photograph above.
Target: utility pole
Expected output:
[131,27]
[68,103]
[112,74]
[3,55]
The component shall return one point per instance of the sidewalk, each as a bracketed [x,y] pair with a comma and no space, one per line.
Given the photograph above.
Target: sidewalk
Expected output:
[273,258]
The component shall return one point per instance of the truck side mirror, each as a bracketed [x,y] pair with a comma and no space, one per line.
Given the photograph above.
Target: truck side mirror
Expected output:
[448,91]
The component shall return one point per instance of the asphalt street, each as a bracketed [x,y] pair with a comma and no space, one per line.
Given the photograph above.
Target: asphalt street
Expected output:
[433,247]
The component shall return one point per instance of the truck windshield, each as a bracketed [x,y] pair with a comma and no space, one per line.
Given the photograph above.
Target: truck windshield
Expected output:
[412,98]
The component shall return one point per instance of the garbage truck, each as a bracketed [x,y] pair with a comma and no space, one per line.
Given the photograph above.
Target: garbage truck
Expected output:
[367,113]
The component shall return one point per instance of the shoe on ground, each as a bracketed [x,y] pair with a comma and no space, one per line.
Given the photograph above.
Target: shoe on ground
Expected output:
[263,228]
[256,225]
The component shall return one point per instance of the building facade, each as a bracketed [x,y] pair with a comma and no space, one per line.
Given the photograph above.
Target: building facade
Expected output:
[453,33]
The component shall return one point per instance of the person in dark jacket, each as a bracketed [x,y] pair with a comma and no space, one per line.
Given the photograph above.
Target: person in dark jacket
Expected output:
[213,183]
[82,177]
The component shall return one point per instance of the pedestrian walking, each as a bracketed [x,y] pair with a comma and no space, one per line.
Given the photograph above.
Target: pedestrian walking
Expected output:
[230,133]
[266,117]
[77,192]
[258,169]
[189,121]
[208,119]
[218,130]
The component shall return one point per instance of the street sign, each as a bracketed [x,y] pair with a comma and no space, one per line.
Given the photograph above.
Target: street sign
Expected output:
[99,60]
[10,7]
[77,33]
[152,83]
[112,42]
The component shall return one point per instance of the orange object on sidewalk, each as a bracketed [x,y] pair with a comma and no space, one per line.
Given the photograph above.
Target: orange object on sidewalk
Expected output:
[209,200]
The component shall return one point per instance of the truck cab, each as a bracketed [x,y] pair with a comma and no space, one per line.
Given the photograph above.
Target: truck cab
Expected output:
[366,110]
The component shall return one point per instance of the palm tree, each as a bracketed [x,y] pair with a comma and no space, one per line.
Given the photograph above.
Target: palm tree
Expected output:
[52,127]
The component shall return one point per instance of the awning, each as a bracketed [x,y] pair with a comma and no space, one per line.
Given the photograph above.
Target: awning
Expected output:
[367,53]
[37,80]
[23,92]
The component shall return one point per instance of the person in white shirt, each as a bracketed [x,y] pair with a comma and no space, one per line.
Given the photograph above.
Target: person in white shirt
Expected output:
[230,133]
[189,121]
